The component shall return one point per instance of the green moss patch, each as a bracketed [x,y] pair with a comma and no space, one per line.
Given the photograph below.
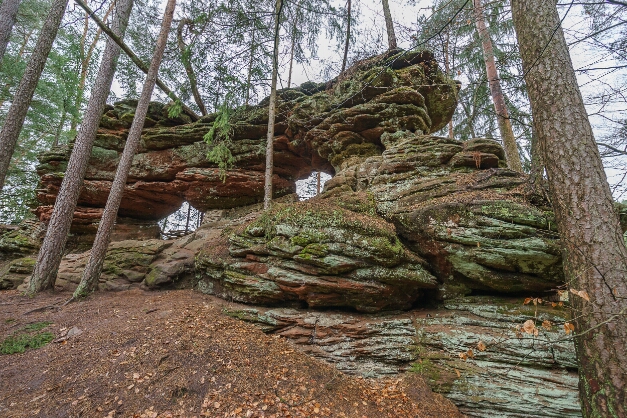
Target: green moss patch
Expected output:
[28,337]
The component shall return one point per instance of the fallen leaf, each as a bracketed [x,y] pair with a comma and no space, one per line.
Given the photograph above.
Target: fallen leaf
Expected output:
[529,326]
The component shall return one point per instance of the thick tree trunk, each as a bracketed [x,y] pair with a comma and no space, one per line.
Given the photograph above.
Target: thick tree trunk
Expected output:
[348,35]
[8,14]
[135,58]
[595,257]
[389,25]
[89,281]
[500,108]
[25,91]
[49,258]
[267,195]
[187,64]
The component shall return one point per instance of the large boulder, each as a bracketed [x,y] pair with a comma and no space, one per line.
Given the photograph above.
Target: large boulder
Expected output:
[315,254]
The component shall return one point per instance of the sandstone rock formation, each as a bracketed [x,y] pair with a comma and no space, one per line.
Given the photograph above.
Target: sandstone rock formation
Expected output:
[409,221]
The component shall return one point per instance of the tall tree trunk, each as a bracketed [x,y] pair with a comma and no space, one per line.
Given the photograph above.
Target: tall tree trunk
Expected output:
[8,14]
[502,115]
[85,61]
[348,35]
[536,174]
[250,67]
[187,63]
[267,196]
[595,257]
[60,126]
[25,91]
[289,75]
[447,68]
[92,271]
[49,258]
[138,62]
[6,88]
[389,25]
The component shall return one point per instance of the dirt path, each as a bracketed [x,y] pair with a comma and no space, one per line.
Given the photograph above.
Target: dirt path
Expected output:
[173,353]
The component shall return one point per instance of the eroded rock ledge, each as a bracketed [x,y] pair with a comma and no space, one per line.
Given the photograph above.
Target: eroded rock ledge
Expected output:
[405,243]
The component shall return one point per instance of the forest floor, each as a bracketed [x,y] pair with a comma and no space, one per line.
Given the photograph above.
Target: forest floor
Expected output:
[175,354]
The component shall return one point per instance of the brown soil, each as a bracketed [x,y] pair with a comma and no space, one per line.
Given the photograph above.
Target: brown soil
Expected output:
[174,354]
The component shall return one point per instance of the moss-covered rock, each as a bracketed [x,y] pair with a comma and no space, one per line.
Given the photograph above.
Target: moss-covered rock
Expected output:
[319,254]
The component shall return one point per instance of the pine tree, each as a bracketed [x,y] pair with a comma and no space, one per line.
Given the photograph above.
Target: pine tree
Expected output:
[92,271]
[389,25]
[51,251]
[595,256]
[8,13]
[500,108]
[267,197]
[21,101]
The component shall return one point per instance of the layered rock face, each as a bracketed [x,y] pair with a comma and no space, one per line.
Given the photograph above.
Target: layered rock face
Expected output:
[384,94]
[410,221]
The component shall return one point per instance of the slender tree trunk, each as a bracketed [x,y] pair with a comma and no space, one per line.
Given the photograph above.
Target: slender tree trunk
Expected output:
[51,252]
[536,174]
[389,25]
[289,76]
[595,257]
[348,35]
[85,61]
[267,197]
[89,281]
[189,212]
[138,62]
[187,63]
[6,89]
[57,134]
[318,183]
[25,91]
[447,68]
[502,115]
[250,67]
[8,14]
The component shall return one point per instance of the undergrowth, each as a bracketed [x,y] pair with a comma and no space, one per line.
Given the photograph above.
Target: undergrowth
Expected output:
[26,338]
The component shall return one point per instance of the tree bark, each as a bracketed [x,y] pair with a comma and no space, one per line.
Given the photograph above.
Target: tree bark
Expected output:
[267,195]
[51,251]
[447,68]
[187,64]
[250,67]
[92,271]
[595,257]
[135,58]
[348,35]
[536,174]
[500,108]
[25,91]
[289,75]
[389,25]
[85,60]
[8,14]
